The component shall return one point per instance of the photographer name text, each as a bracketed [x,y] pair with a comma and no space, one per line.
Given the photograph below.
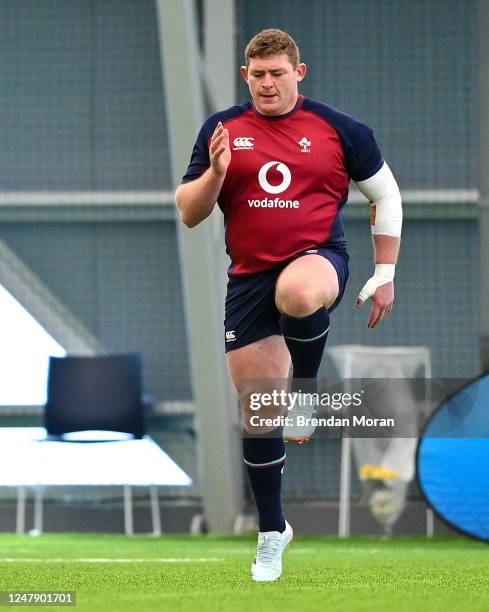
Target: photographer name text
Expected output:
[331,421]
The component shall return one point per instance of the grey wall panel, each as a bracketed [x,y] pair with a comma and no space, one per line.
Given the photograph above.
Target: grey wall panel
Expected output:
[122,280]
[139,299]
[436,295]
[129,125]
[81,104]
[45,86]
[405,68]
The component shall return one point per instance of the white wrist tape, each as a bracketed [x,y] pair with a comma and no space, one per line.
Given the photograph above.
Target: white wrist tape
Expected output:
[384,273]
[385,200]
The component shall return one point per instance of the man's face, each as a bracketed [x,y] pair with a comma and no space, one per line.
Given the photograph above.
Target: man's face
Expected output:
[273,83]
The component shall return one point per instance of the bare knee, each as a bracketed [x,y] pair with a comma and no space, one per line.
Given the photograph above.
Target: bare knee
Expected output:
[297,298]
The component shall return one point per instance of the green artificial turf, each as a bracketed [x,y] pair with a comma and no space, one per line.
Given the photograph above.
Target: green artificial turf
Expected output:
[213,573]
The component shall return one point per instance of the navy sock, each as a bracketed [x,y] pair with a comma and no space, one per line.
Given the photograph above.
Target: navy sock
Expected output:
[305,338]
[264,458]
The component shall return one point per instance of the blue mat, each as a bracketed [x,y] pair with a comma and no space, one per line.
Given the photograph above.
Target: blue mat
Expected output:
[453,460]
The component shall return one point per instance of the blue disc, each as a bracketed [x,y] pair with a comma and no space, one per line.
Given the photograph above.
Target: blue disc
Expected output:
[453,460]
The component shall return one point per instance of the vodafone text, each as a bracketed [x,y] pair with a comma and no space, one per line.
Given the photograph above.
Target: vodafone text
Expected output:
[275,203]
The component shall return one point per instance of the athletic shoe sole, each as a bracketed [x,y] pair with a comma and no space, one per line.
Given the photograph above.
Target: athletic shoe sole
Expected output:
[298,440]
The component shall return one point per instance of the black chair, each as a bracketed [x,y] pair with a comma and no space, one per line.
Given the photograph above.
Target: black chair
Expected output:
[95,393]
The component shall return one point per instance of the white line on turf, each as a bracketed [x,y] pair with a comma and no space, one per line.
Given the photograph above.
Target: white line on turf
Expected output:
[246,549]
[108,560]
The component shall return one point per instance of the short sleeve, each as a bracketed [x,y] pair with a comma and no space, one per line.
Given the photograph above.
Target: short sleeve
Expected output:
[363,158]
[362,155]
[199,160]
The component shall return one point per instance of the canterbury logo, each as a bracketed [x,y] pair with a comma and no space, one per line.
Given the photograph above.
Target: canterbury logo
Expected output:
[230,336]
[284,171]
[243,142]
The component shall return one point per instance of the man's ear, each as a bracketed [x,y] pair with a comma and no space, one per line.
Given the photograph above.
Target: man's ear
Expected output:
[244,72]
[301,71]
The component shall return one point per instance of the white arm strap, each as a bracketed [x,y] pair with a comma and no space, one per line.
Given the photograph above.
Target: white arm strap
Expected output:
[385,200]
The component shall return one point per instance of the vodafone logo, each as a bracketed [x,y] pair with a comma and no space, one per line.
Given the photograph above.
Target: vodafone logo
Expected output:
[266,186]
[284,171]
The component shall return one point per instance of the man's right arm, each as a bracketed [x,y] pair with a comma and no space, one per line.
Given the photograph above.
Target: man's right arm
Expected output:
[196,199]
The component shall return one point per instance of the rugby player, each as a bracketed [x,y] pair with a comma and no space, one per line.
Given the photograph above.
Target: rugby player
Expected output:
[279,168]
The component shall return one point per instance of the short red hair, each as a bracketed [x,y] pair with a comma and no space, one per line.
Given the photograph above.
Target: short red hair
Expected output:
[272,42]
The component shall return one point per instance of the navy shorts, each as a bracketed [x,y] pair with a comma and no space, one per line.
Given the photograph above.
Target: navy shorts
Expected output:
[250,310]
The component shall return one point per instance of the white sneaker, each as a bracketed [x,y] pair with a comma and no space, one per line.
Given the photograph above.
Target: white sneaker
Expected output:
[298,426]
[267,565]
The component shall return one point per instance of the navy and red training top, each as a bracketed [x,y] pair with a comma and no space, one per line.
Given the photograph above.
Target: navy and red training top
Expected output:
[288,179]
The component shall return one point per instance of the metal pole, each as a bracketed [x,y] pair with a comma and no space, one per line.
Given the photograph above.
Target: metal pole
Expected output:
[345,470]
[38,518]
[430,516]
[220,61]
[155,510]
[21,496]
[345,478]
[128,517]
[430,522]
[220,459]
